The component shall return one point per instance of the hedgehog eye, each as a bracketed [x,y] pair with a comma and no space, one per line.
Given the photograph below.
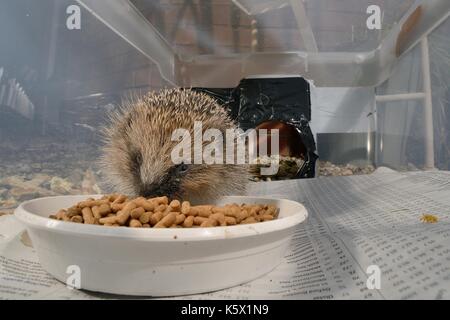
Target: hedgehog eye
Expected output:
[183,168]
[139,159]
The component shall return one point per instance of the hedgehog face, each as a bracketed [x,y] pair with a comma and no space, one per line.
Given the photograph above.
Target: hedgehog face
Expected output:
[139,170]
[141,160]
[138,146]
[166,182]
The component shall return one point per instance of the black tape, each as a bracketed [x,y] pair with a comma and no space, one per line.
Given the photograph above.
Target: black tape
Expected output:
[287,100]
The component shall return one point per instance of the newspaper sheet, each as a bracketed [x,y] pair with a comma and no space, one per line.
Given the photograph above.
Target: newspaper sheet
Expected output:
[357,226]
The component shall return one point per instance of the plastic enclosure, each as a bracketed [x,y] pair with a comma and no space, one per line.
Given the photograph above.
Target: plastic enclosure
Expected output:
[380,94]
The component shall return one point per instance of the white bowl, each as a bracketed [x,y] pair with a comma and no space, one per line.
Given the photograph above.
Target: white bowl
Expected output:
[158,262]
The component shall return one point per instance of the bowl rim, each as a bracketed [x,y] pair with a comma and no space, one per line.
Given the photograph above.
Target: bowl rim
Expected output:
[170,234]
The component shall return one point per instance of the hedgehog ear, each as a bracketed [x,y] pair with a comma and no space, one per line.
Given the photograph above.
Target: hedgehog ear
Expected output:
[136,160]
[129,122]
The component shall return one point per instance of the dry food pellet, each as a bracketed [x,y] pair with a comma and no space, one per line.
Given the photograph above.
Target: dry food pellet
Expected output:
[167,221]
[179,218]
[144,203]
[185,207]
[145,217]
[188,222]
[429,218]
[118,210]
[253,211]
[116,207]
[125,213]
[122,217]
[104,209]
[96,212]
[242,216]
[248,220]
[111,197]
[167,211]
[203,211]
[120,199]
[137,212]
[135,223]
[161,208]
[108,220]
[91,203]
[77,219]
[209,223]
[161,200]
[88,217]
[220,218]
[231,221]
[60,214]
[73,211]
[199,220]
[155,218]
[175,205]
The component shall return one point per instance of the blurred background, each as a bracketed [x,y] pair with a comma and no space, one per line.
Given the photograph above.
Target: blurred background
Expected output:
[57,85]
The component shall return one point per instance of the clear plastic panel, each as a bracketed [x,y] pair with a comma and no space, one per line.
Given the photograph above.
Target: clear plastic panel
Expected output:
[400,129]
[58,85]
[439,41]
[56,88]
[222,26]
[344,125]
[401,124]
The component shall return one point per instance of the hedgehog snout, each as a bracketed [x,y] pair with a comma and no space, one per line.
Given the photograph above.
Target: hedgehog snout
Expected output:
[157,190]
[165,187]
[148,190]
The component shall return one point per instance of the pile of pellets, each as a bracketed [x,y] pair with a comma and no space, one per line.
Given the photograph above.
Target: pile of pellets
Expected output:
[117,210]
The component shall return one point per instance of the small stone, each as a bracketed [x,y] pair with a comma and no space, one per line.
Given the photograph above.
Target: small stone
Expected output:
[89,184]
[24,168]
[76,176]
[23,194]
[3,192]
[11,202]
[347,172]
[60,185]
[36,167]
[329,169]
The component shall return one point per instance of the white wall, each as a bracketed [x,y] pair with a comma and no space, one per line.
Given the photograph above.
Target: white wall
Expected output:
[342,110]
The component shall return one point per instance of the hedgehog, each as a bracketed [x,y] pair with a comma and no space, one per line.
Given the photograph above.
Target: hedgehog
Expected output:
[136,157]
